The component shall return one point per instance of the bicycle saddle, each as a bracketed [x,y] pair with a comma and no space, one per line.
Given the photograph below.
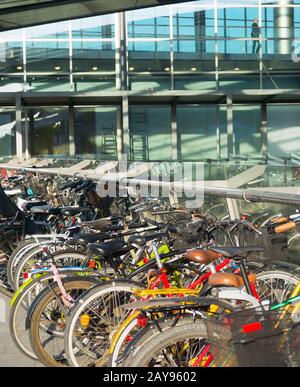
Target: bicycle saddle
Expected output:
[72,211]
[29,205]
[235,252]
[109,249]
[141,240]
[204,257]
[229,279]
[91,238]
[45,210]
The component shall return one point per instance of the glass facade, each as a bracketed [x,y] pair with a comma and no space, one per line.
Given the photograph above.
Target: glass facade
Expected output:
[205,46]
[7,132]
[200,45]
[96,132]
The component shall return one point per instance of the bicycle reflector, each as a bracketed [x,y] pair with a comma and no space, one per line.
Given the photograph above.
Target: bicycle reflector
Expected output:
[92,264]
[85,320]
[253,327]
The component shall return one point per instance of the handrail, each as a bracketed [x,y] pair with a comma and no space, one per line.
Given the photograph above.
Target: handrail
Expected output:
[251,195]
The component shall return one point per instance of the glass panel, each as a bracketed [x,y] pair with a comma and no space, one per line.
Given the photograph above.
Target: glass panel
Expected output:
[47,56]
[48,131]
[7,132]
[247,130]
[94,83]
[48,83]
[95,132]
[149,23]
[11,84]
[11,57]
[150,133]
[98,57]
[283,130]
[197,132]
[48,31]
[94,27]
[153,60]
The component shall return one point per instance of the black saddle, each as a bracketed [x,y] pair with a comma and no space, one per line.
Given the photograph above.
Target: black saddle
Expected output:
[109,249]
[141,240]
[72,211]
[45,210]
[234,252]
[91,238]
[30,205]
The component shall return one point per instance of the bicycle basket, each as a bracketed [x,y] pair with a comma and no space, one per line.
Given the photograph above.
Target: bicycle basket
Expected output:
[264,339]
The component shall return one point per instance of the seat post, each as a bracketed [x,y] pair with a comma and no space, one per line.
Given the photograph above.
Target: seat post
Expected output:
[242,265]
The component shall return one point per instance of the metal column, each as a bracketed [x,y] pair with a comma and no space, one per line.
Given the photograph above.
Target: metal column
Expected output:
[125,119]
[27,151]
[174,134]
[264,129]
[71,131]
[230,143]
[19,145]
[284,26]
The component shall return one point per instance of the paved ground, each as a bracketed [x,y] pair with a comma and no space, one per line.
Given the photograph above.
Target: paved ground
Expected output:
[10,356]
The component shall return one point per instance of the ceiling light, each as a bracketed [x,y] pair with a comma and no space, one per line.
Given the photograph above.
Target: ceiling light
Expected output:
[194,69]
[95,68]
[131,68]
[57,68]
[237,69]
[270,68]
[167,68]
[19,68]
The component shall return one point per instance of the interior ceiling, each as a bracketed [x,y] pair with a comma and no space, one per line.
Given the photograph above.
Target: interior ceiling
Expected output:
[24,13]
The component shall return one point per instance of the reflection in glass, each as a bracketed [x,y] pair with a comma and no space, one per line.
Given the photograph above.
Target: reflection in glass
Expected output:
[93,83]
[200,129]
[11,57]
[150,133]
[48,131]
[94,27]
[93,56]
[47,56]
[7,132]
[149,65]
[11,83]
[247,130]
[59,30]
[284,129]
[95,132]
[50,83]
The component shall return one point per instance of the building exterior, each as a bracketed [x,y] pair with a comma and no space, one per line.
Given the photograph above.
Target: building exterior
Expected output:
[187,81]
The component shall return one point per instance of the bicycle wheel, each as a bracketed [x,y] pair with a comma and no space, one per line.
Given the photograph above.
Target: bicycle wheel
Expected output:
[133,336]
[8,242]
[275,286]
[93,320]
[196,344]
[48,320]
[19,311]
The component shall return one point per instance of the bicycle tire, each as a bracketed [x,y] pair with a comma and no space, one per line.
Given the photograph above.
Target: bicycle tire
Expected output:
[197,330]
[82,303]
[44,299]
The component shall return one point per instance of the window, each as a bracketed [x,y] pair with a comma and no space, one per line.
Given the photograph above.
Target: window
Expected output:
[150,133]
[95,132]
